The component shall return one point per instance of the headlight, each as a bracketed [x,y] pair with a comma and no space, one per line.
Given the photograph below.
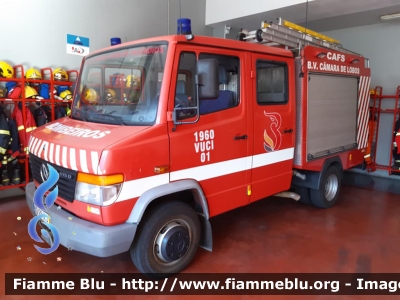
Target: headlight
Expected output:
[95,194]
[98,190]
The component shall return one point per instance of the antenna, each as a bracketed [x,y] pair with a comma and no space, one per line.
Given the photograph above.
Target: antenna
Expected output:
[306,16]
[168,15]
[184,25]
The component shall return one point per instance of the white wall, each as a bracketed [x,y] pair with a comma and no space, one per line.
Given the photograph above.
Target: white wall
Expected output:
[222,10]
[34,32]
[381,44]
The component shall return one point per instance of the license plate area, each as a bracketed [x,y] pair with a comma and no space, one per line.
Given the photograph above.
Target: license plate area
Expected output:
[38,212]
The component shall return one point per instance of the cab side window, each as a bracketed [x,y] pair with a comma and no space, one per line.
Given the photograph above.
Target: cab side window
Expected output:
[228,69]
[272,83]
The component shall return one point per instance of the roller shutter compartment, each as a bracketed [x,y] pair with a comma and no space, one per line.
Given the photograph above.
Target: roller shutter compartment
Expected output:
[332,114]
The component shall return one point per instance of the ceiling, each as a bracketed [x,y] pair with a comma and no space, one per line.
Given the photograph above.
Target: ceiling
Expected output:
[322,15]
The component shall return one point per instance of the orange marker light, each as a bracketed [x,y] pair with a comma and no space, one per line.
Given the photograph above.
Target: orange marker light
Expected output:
[161,169]
[100,180]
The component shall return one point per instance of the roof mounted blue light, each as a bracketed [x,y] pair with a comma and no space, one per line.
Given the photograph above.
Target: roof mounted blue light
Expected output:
[115,41]
[185,28]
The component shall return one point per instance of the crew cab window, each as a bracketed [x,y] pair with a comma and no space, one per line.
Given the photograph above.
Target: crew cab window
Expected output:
[228,69]
[129,90]
[272,83]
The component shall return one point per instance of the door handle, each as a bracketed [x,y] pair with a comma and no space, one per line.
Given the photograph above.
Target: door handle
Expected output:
[240,137]
[287,130]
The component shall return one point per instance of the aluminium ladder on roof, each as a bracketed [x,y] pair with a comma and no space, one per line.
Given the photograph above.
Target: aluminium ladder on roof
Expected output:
[292,36]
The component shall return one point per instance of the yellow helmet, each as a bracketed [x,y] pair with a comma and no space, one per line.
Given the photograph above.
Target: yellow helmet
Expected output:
[6,71]
[132,80]
[372,91]
[66,95]
[90,96]
[33,74]
[110,95]
[30,92]
[60,74]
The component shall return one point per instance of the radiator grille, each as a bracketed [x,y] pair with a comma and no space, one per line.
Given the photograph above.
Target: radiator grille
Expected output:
[66,182]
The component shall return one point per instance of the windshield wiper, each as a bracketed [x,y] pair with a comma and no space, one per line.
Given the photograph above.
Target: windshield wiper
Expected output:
[81,117]
[115,118]
[77,118]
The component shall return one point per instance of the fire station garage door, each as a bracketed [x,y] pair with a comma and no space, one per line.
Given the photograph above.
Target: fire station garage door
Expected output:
[332,114]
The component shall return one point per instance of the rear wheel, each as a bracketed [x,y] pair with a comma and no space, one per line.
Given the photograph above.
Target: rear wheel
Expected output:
[167,240]
[328,192]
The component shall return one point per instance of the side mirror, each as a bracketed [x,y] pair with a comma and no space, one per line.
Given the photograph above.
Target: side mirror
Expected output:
[208,78]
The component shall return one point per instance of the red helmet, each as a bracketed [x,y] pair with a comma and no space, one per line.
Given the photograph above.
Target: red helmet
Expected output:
[15,92]
[117,80]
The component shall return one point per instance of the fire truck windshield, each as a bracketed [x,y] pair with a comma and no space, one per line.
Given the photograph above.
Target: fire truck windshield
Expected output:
[121,87]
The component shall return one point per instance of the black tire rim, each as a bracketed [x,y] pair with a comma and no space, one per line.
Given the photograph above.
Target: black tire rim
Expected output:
[172,242]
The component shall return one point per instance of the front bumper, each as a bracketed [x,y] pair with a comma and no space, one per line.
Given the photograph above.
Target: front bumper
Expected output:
[84,236]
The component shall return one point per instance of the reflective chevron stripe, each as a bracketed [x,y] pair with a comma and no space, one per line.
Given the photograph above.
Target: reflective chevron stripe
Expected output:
[363,112]
[71,158]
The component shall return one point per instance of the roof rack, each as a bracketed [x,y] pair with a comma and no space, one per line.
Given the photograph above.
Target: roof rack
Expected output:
[290,35]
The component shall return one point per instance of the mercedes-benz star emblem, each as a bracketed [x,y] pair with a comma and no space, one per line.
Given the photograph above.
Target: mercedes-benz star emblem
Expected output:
[44,172]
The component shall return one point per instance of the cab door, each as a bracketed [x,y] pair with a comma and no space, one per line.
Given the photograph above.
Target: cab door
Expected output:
[274,125]
[212,150]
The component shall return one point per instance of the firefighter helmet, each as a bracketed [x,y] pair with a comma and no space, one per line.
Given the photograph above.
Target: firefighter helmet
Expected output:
[60,74]
[6,71]
[110,95]
[33,73]
[14,92]
[132,81]
[66,95]
[30,92]
[90,96]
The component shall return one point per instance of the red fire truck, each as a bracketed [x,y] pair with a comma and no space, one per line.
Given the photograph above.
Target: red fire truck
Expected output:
[168,132]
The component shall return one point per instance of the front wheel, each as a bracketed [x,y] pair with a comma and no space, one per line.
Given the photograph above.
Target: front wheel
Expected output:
[167,240]
[328,192]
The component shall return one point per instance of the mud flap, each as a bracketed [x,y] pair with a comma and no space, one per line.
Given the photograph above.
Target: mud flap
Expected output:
[206,241]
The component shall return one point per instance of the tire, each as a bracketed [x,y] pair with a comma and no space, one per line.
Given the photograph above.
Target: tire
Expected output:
[304,193]
[328,193]
[157,248]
